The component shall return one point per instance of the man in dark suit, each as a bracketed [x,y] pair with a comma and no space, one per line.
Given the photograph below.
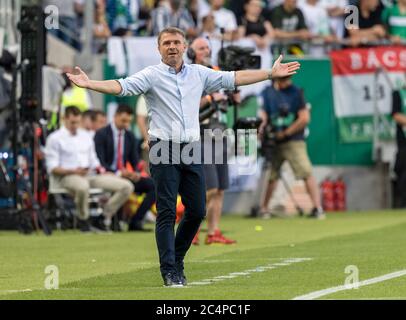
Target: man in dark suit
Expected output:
[116,148]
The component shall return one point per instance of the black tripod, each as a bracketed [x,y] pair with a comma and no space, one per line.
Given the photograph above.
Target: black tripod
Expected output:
[24,135]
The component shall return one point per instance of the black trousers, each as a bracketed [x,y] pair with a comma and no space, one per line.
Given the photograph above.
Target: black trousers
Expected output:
[170,180]
[144,185]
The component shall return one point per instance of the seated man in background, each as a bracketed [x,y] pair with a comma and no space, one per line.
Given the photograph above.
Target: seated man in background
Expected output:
[88,119]
[285,111]
[100,119]
[117,148]
[71,159]
[93,120]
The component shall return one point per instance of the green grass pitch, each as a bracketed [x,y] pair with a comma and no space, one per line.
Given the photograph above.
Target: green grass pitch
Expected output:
[125,265]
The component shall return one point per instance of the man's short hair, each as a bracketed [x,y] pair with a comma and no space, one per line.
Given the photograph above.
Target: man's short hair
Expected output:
[89,114]
[124,108]
[72,110]
[171,30]
[99,113]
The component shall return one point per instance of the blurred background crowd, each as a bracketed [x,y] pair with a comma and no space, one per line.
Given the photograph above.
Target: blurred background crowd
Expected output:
[300,26]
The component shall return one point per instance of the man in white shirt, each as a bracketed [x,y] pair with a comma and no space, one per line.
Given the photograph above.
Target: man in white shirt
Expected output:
[88,120]
[71,160]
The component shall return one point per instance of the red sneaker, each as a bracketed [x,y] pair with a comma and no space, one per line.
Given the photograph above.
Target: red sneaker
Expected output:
[223,239]
[218,238]
[210,239]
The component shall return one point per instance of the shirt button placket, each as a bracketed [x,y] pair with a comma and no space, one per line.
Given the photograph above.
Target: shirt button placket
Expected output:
[179,84]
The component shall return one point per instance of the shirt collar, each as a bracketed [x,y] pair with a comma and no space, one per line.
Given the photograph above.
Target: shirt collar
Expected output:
[68,133]
[171,69]
[115,129]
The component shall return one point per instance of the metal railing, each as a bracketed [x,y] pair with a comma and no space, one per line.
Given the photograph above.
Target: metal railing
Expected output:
[282,46]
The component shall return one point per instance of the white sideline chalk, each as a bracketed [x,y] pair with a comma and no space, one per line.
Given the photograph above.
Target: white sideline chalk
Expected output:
[232,275]
[321,293]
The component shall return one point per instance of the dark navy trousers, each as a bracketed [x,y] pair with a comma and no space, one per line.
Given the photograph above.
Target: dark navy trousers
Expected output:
[171,179]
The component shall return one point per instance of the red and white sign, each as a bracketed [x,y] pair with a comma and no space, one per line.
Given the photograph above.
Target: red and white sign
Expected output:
[367,60]
[353,79]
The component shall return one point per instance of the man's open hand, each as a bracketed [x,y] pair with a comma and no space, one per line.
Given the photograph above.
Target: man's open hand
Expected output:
[280,70]
[80,78]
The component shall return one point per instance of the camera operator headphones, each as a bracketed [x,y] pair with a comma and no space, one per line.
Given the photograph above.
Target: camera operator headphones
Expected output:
[191,54]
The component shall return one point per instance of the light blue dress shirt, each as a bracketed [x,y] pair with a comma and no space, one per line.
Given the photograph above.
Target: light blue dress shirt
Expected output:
[173,99]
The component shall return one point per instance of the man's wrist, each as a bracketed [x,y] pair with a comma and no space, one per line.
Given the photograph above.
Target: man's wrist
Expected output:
[270,73]
[88,85]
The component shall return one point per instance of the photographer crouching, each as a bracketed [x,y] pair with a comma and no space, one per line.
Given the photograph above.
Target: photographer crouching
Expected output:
[212,118]
[285,118]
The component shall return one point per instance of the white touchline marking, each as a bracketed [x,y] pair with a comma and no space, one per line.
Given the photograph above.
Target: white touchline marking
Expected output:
[284,262]
[200,283]
[239,274]
[15,291]
[321,293]
[226,277]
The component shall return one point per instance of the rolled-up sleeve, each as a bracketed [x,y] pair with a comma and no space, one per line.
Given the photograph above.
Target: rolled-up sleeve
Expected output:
[51,154]
[136,84]
[216,80]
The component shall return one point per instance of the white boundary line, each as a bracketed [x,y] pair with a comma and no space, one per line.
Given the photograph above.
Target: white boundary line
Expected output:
[321,293]
[284,262]
[15,291]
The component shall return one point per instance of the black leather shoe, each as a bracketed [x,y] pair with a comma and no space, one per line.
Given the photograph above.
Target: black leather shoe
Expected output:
[172,280]
[99,224]
[181,274]
[182,278]
[84,225]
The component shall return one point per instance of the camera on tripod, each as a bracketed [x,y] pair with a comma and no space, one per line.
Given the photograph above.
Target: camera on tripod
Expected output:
[277,123]
[234,58]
